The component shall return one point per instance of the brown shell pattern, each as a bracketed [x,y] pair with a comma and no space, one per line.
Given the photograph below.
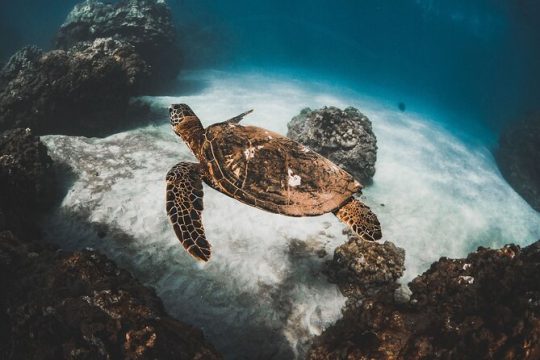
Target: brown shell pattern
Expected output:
[272,172]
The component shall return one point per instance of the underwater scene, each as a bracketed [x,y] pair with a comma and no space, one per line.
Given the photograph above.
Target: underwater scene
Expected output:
[270,180]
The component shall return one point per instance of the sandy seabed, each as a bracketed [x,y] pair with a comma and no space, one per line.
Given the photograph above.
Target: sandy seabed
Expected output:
[263,294]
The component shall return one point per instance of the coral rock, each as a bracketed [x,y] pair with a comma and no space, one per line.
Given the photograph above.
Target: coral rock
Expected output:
[145,24]
[26,181]
[343,136]
[83,91]
[483,307]
[365,268]
[80,305]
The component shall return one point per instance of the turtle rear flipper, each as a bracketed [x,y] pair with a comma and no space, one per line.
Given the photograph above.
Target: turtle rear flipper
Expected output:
[184,207]
[360,218]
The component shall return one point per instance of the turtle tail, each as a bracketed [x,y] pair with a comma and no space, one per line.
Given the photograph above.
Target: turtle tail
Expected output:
[360,218]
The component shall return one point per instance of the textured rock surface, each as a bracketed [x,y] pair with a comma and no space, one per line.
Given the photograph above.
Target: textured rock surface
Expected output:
[83,91]
[343,136]
[26,181]
[56,304]
[80,305]
[366,269]
[482,307]
[145,24]
[107,53]
[518,157]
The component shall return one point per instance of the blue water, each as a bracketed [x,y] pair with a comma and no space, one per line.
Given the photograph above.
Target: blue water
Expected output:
[463,69]
[475,59]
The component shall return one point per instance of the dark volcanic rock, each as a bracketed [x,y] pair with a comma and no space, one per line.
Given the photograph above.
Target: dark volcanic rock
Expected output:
[145,24]
[108,53]
[20,61]
[343,136]
[60,305]
[366,269]
[27,182]
[482,307]
[83,91]
[518,157]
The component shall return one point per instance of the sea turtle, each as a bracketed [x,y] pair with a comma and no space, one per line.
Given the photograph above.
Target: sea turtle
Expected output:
[260,168]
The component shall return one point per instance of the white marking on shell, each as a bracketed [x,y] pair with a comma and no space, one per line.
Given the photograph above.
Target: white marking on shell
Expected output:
[294,180]
[259,147]
[249,153]
[305,149]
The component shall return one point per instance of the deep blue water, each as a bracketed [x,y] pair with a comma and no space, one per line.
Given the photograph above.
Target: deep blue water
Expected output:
[473,64]
[476,59]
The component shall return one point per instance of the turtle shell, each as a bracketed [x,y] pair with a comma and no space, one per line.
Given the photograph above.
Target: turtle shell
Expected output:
[272,172]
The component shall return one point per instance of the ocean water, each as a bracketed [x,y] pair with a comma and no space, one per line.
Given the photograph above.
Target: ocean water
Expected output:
[262,295]
[465,69]
[475,58]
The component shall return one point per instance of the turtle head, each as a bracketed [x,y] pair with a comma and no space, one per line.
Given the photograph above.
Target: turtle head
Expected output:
[180,112]
[186,125]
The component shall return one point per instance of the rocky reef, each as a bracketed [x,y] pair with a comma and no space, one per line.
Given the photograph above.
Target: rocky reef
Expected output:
[364,269]
[82,91]
[145,24]
[61,304]
[343,136]
[105,55]
[517,156]
[80,305]
[27,181]
[482,307]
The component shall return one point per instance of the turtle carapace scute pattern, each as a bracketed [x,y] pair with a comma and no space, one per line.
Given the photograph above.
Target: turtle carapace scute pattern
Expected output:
[260,168]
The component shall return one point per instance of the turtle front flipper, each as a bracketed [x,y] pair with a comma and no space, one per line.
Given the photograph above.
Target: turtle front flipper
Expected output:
[360,218]
[184,207]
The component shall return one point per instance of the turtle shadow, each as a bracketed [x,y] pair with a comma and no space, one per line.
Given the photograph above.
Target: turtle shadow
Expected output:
[308,262]
[64,179]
